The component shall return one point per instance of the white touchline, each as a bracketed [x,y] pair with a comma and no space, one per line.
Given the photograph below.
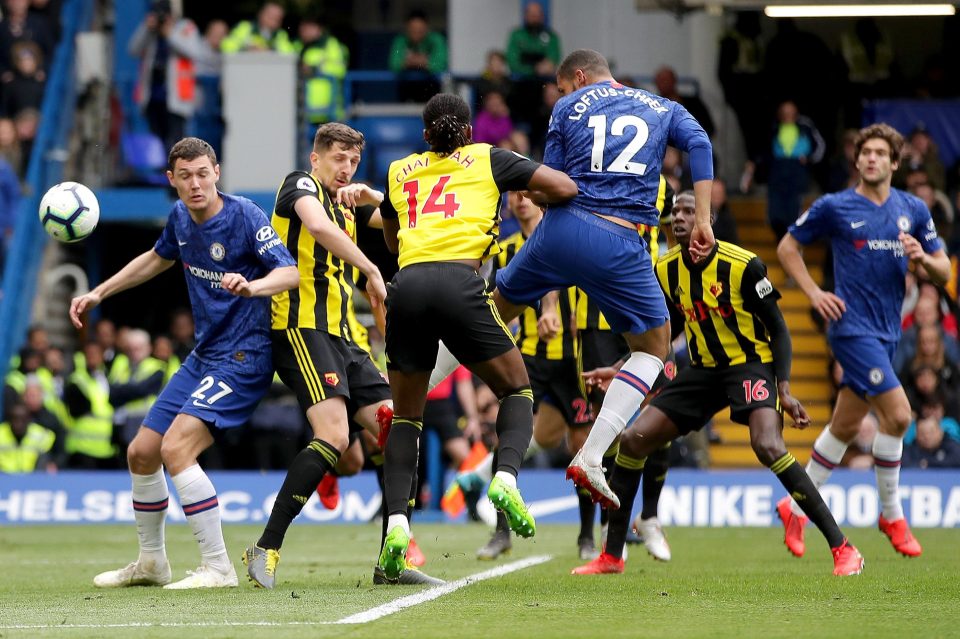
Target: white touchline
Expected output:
[361,617]
[438,591]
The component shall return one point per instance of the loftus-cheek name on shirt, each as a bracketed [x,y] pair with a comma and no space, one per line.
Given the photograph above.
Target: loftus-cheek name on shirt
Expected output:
[213,277]
[422,161]
[585,100]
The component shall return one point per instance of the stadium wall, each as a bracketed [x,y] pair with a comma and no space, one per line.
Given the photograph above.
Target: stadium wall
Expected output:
[690,498]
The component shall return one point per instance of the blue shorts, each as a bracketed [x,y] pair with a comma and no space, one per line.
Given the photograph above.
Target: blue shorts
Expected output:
[867,364]
[218,394]
[609,262]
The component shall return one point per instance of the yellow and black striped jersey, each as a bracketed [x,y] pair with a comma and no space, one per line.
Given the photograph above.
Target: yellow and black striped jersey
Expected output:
[448,206]
[718,299]
[588,313]
[564,344]
[324,298]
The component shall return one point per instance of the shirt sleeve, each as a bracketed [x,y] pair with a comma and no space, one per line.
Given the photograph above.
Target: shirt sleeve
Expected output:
[554,153]
[511,171]
[813,224]
[926,230]
[387,210]
[295,186]
[267,245]
[760,299]
[167,246]
[364,213]
[686,134]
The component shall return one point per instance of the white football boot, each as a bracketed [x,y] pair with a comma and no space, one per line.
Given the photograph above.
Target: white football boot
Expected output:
[206,577]
[144,571]
[653,538]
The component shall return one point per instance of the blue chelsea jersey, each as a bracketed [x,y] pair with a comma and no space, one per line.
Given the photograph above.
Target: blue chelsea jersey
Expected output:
[610,139]
[238,239]
[869,262]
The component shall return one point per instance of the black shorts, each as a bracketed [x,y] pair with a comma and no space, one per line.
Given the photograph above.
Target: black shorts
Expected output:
[600,348]
[697,394]
[445,301]
[317,366]
[558,383]
[440,416]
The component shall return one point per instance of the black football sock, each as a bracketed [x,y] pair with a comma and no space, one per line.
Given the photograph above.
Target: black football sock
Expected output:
[799,486]
[625,483]
[587,511]
[400,463]
[514,429]
[377,460]
[654,476]
[306,471]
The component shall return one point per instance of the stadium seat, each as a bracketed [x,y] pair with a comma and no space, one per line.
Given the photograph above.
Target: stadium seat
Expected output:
[143,152]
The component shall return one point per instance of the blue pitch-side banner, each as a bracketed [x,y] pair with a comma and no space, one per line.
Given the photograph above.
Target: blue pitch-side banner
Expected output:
[690,498]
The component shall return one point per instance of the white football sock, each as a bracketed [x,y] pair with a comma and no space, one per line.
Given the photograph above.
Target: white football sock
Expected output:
[887,451]
[399,520]
[507,478]
[621,404]
[150,498]
[198,498]
[827,453]
[446,364]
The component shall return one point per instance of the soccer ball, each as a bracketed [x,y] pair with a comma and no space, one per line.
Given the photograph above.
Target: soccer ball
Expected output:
[69,212]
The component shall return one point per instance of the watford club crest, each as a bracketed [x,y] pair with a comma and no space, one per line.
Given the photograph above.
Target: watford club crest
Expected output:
[716,289]
[331,378]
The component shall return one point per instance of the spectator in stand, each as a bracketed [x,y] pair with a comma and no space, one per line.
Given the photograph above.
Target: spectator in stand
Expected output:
[133,392]
[90,441]
[931,353]
[533,54]
[18,25]
[49,11]
[493,124]
[10,192]
[23,88]
[533,49]
[495,77]
[167,46]
[16,380]
[105,334]
[920,154]
[33,399]
[26,123]
[549,95]
[10,146]
[208,116]
[928,311]
[870,64]
[724,226]
[323,62]
[931,448]
[181,331]
[843,173]
[418,55]
[665,80]
[795,148]
[25,446]
[918,183]
[267,34]
[924,386]
[739,70]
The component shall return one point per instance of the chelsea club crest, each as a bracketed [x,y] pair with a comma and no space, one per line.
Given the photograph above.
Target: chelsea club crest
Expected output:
[217,252]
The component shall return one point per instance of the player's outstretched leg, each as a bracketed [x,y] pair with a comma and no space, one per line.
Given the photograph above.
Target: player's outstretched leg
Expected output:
[847,559]
[826,455]
[198,499]
[646,525]
[620,404]
[400,466]
[626,482]
[150,499]
[514,430]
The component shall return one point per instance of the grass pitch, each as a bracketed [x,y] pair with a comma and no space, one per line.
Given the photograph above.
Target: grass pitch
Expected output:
[736,582]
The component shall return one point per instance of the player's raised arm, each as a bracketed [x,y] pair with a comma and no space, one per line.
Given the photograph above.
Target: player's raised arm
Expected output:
[137,271]
[687,135]
[331,237]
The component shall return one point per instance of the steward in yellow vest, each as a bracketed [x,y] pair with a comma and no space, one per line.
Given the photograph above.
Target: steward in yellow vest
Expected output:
[323,61]
[24,446]
[87,395]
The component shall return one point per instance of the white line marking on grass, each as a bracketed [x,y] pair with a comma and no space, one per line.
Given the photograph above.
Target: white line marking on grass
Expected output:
[362,617]
[438,591]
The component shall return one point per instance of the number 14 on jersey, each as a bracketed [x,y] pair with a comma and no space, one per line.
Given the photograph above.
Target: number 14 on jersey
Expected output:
[448,206]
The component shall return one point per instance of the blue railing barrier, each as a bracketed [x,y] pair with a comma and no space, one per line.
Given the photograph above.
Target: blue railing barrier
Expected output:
[44,169]
[931,499]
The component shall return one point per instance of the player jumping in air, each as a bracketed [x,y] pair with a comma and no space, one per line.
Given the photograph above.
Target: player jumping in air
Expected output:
[233,264]
[739,357]
[877,233]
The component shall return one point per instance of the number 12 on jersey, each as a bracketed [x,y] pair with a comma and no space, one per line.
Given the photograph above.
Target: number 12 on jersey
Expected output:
[449,206]
[623,163]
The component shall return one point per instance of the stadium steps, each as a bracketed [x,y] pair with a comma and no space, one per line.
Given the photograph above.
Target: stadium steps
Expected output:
[809,379]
